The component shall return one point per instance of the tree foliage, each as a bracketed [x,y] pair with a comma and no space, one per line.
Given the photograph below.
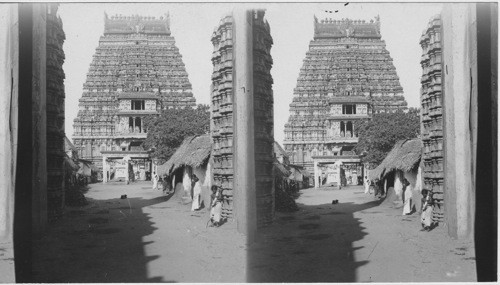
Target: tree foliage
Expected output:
[378,135]
[167,131]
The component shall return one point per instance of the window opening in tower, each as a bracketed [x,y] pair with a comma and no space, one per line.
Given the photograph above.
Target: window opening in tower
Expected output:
[138,125]
[349,109]
[137,105]
[349,129]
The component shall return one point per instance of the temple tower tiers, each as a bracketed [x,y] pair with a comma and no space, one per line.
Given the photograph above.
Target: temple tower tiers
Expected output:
[248,133]
[347,75]
[55,112]
[432,115]
[136,71]
[263,106]
[222,130]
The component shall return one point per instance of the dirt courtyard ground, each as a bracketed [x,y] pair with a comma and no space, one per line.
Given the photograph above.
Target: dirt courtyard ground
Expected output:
[150,238]
[357,240]
[145,238]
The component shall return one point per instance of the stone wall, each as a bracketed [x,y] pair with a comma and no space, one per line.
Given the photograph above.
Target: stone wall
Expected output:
[9,69]
[39,119]
[460,115]
[9,94]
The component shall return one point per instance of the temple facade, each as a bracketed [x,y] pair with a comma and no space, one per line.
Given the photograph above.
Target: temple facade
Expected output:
[347,75]
[136,71]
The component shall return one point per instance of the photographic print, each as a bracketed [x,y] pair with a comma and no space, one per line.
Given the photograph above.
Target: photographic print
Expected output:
[248,142]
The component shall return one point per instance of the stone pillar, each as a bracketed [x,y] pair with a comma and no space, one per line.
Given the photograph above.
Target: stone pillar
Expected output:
[55,113]
[244,162]
[39,109]
[460,111]
[317,173]
[104,170]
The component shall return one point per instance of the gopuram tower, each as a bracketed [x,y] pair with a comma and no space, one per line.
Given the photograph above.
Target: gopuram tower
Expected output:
[136,71]
[347,75]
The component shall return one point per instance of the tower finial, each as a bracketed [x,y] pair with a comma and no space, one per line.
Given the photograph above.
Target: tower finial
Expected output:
[105,21]
[377,22]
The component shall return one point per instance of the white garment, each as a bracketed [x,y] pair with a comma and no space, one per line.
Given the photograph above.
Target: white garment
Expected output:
[155,182]
[196,197]
[408,203]
[367,186]
[426,217]
[216,210]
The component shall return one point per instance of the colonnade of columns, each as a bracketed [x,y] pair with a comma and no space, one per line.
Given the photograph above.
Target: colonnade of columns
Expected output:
[135,125]
[347,129]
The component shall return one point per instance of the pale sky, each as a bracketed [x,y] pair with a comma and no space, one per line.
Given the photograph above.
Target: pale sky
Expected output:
[291,28]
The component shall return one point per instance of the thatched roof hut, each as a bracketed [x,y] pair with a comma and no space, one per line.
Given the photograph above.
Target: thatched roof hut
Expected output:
[280,170]
[69,164]
[194,152]
[404,156]
[278,150]
[86,167]
[280,154]
[300,170]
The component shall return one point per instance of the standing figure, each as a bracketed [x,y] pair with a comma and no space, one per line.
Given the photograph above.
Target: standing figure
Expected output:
[216,206]
[372,187]
[426,217]
[377,188]
[155,181]
[196,194]
[367,185]
[407,193]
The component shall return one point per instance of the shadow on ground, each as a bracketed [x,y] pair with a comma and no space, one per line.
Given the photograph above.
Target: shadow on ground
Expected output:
[314,244]
[101,242]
